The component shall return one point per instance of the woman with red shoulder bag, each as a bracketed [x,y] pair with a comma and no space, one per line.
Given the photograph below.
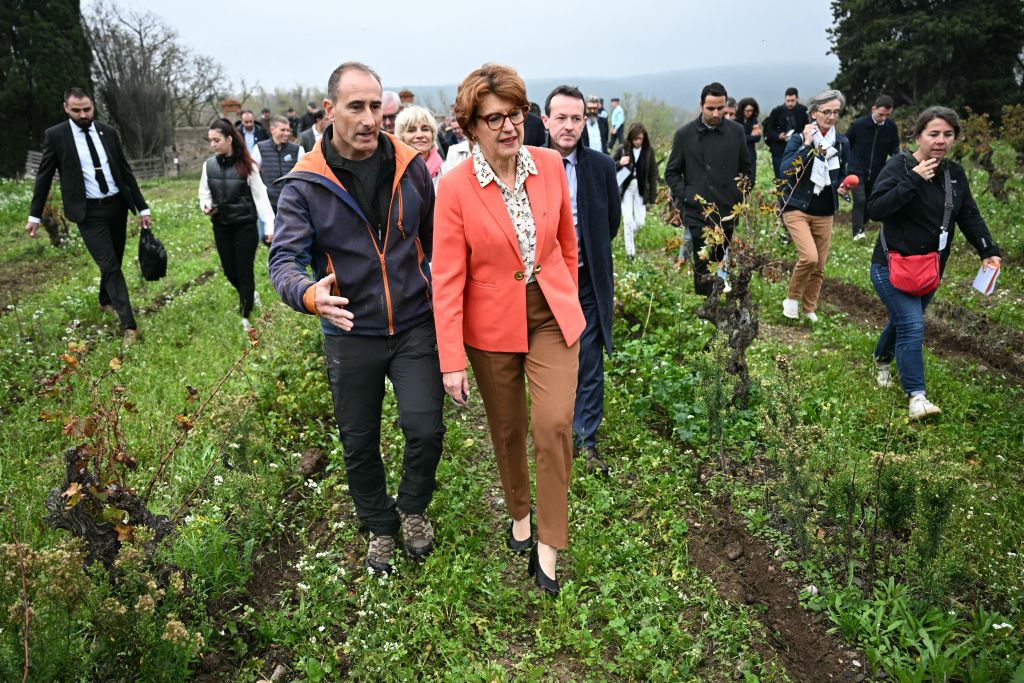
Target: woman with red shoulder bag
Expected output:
[917,198]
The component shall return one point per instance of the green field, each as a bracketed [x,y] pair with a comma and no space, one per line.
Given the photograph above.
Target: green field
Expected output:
[829,537]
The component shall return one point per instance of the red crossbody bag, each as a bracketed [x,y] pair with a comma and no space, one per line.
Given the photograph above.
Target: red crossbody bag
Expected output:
[919,275]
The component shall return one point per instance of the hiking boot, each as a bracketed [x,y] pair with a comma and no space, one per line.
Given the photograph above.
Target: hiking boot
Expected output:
[381,553]
[417,535]
[593,461]
[131,336]
[108,308]
[791,309]
[920,407]
[858,236]
[883,374]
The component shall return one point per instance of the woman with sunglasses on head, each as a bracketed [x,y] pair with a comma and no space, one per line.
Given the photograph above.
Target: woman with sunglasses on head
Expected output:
[918,197]
[233,195]
[813,165]
[506,296]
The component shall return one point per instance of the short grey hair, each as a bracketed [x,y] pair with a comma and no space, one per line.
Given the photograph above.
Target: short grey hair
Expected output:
[278,120]
[332,82]
[814,104]
[414,116]
[389,97]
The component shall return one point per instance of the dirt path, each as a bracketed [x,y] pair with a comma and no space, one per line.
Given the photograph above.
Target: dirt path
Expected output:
[950,331]
[746,571]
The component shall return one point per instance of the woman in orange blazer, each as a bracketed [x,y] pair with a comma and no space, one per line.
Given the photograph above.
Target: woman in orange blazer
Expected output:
[506,296]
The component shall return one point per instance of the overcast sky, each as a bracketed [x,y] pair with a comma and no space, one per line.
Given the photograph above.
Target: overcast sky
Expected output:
[280,43]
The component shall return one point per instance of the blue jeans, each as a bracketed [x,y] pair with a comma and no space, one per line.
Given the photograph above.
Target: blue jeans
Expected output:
[903,336]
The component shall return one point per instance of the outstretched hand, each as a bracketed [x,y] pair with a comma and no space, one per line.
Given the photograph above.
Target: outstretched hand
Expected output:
[330,307]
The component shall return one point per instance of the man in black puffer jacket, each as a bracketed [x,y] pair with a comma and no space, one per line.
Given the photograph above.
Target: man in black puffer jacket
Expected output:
[275,157]
[708,154]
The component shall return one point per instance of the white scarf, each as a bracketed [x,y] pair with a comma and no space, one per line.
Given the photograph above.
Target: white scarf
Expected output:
[829,161]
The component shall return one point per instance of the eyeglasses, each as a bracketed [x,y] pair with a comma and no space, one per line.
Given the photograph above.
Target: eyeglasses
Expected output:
[389,117]
[497,121]
[828,113]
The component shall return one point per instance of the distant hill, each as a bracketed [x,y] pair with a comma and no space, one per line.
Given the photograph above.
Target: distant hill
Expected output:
[680,88]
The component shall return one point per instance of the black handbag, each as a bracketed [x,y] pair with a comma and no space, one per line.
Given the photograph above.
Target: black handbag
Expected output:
[152,256]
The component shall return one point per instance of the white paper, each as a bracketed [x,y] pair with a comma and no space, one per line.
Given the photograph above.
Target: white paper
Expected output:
[943,237]
[985,282]
[621,176]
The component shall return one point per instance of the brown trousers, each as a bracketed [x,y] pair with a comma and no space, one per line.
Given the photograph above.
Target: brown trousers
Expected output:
[551,368]
[812,236]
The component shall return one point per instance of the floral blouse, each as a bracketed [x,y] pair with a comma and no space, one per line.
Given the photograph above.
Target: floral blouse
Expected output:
[516,202]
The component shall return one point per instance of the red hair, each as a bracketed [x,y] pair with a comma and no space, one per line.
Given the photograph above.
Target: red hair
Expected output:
[490,79]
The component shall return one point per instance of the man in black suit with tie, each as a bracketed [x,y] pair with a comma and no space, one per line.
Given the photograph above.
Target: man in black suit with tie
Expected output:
[98,189]
[594,194]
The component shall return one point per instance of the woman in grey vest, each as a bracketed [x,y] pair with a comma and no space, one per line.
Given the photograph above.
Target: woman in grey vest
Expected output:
[232,194]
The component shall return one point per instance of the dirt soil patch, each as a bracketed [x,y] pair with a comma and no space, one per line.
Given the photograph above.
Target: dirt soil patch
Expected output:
[746,571]
[950,331]
[19,278]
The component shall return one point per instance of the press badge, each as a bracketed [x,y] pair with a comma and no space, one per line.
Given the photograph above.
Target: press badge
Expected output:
[942,239]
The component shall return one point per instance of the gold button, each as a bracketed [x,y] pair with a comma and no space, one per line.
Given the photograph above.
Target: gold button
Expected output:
[536,268]
[519,275]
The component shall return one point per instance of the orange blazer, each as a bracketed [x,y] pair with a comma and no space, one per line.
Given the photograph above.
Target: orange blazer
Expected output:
[477,272]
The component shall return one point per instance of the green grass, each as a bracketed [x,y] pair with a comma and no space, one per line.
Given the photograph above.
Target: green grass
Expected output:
[271,564]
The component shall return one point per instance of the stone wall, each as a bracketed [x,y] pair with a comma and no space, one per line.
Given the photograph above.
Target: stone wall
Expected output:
[190,147]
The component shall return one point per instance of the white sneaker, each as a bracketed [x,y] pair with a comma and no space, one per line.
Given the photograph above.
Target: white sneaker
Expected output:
[791,309]
[883,375]
[246,325]
[812,316]
[921,407]
[859,236]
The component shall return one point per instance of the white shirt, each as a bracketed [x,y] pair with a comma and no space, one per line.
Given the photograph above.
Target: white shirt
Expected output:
[250,138]
[317,134]
[594,135]
[259,195]
[92,187]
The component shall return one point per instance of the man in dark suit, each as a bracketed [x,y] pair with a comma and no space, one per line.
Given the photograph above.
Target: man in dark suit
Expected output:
[533,127]
[595,132]
[596,213]
[98,189]
[310,136]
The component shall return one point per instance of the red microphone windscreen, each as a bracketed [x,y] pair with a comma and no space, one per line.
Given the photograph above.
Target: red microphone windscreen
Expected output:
[851,181]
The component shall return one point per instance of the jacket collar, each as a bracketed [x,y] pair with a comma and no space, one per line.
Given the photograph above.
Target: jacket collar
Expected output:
[315,162]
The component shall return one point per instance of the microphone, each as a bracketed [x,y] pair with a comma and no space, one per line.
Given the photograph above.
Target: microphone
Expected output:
[850,182]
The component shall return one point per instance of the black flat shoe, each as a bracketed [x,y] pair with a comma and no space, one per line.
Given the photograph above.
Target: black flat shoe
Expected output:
[546,584]
[517,546]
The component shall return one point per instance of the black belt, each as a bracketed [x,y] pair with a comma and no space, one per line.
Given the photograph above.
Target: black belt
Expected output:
[103,201]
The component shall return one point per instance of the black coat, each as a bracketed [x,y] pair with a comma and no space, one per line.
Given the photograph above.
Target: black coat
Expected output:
[534,133]
[911,210]
[602,126]
[599,213]
[260,133]
[705,162]
[870,145]
[645,170]
[60,153]
[783,120]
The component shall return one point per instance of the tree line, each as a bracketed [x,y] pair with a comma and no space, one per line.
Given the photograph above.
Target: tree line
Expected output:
[147,81]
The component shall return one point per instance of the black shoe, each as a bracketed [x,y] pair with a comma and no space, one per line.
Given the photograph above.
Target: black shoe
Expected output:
[594,463]
[546,584]
[517,546]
